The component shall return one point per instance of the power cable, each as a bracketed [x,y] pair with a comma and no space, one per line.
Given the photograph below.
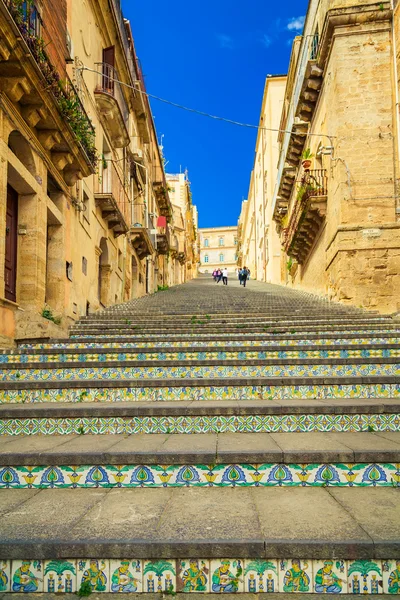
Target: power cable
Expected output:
[200,112]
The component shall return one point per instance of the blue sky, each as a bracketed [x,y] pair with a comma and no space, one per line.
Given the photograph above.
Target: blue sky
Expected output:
[212,56]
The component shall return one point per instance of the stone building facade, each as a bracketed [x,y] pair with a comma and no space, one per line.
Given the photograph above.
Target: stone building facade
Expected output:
[218,249]
[338,215]
[259,246]
[183,250]
[84,202]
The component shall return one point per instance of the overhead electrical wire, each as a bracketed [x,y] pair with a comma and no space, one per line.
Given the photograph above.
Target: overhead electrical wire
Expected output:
[199,112]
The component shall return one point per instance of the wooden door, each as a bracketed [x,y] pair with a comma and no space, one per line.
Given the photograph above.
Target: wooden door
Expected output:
[10,266]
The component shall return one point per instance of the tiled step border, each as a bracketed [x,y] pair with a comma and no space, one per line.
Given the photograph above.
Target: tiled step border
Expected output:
[250,575]
[172,390]
[291,423]
[232,342]
[203,371]
[221,475]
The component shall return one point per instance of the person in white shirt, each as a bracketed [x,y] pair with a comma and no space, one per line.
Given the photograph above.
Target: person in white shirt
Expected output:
[225,276]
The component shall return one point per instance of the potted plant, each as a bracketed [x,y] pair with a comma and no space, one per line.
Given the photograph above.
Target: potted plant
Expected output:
[306,159]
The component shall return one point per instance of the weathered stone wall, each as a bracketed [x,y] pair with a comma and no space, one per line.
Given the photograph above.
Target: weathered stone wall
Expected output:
[356,257]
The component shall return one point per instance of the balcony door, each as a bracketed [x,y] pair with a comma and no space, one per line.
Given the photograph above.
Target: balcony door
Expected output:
[10,266]
[108,69]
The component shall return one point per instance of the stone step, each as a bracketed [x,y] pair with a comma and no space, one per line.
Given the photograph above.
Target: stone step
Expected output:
[350,454]
[117,390]
[242,416]
[255,522]
[142,370]
[248,328]
[275,343]
[211,595]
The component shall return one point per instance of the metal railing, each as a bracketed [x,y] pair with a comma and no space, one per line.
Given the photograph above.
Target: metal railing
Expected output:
[108,83]
[110,182]
[139,215]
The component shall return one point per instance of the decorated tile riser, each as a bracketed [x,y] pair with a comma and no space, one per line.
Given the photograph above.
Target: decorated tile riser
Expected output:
[228,475]
[22,359]
[243,334]
[201,424]
[193,372]
[160,394]
[216,343]
[188,575]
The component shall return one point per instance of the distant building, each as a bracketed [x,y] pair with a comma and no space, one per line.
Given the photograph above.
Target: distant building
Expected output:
[218,249]
[259,246]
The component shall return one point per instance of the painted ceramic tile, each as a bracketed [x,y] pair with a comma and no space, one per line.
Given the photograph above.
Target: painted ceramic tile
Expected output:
[295,575]
[330,576]
[260,576]
[193,575]
[5,575]
[227,575]
[94,571]
[59,576]
[159,576]
[125,576]
[391,576]
[365,577]
[27,576]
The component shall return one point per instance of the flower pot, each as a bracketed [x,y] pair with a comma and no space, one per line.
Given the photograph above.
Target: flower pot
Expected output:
[306,164]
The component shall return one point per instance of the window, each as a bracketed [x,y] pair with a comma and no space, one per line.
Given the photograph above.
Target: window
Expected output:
[235,241]
[85,205]
[84,265]
[206,243]
[236,257]
[221,241]
[206,258]
[314,45]
[221,258]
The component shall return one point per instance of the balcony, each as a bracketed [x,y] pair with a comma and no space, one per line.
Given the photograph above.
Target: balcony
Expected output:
[111,105]
[111,194]
[47,101]
[139,235]
[160,187]
[163,240]
[307,216]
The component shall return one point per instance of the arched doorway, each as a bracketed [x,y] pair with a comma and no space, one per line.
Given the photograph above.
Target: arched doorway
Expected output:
[104,273]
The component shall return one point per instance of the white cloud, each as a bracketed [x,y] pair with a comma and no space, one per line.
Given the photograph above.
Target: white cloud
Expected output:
[266,40]
[225,41]
[296,23]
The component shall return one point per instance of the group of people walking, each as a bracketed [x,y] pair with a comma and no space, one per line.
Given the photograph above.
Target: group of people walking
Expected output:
[243,275]
[218,275]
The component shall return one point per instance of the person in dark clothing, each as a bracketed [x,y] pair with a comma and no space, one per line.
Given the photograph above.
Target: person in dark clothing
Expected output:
[244,275]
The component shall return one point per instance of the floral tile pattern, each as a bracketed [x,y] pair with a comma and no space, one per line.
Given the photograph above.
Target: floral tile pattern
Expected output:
[226,475]
[365,577]
[201,424]
[59,576]
[321,341]
[117,357]
[228,392]
[261,576]
[252,575]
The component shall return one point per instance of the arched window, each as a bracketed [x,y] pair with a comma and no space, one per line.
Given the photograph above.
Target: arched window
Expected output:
[221,241]
[206,243]
[206,258]
[221,258]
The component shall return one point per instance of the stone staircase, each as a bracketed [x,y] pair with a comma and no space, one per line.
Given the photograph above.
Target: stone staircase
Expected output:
[204,439]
